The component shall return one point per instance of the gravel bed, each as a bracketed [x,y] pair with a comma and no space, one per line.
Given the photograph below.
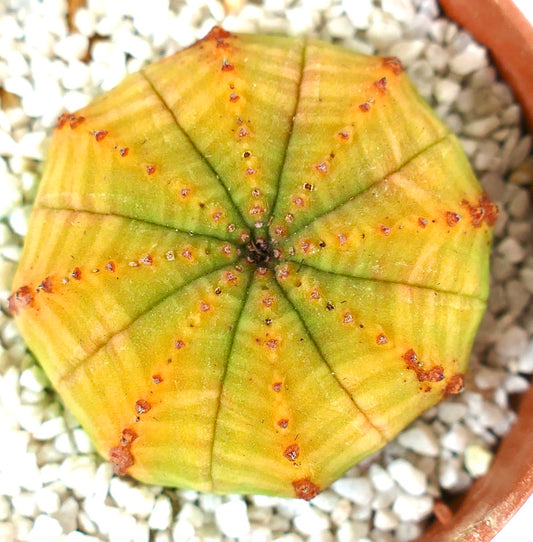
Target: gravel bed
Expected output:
[53,487]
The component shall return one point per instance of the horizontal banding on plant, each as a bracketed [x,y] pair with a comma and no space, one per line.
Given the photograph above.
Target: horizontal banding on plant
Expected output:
[225,268]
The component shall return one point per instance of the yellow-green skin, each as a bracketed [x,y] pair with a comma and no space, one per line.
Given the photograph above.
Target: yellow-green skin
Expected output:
[252,264]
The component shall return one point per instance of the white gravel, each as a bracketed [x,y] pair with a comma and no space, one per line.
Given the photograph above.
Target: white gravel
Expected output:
[53,487]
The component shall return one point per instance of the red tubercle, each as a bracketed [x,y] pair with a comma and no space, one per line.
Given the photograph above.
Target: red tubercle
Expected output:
[230,277]
[422,222]
[364,107]
[435,374]
[277,386]
[226,249]
[305,245]
[455,385]
[204,307]
[46,285]
[280,231]
[256,210]
[485,211]
[147,260]
[305,489]
[142,406]
[234,97]
[76,273]
[21,298]
[272,344]
[110,266]
[315,294]
[381,339]
[157,379]
[187,254]
[298,201]
[99,135]
[452,218]
[128,436]
[217,33]
[121,459]
[178,344]
[150,169]
[385,230]
[322,167]
[381,85]
[124,151]
[283,423]
[292,452]
[73,120]
[226,66]
[347,318]
[394,64]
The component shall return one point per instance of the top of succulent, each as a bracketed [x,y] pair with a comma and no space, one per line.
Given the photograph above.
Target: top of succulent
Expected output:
[252,263]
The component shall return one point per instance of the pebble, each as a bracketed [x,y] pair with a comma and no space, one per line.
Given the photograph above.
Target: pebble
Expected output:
[472,58]
[407,476]
[525,360]
[420,439]
[77,473]
[45,529]
[385,520]
[139,501]
[513,342]
[477,460]
[350,531]
[412,508]
[357,490]
[161,515]
[380,478]
[122,527]
[358,12]
[482,127]
[47,501]
[456,438]
[232,519]
[34,379]
[311,521]
[67,514]
[77,536]
[341,512]
[407,51]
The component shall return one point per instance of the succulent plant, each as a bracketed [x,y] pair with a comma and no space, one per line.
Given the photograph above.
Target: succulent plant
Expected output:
[251,264]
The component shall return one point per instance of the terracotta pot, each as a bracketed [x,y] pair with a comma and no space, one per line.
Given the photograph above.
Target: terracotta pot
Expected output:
[496,497]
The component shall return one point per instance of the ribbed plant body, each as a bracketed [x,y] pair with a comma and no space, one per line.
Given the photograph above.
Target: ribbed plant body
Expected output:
[251,264]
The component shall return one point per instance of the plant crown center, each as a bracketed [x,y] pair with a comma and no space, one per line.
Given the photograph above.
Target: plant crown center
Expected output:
[259,251]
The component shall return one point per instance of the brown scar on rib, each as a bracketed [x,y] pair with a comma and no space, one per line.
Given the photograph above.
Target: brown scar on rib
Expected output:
[435,374]
[394,64]
[21,298]
[484,211]
[120,456]
[455,385]
[305,489]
